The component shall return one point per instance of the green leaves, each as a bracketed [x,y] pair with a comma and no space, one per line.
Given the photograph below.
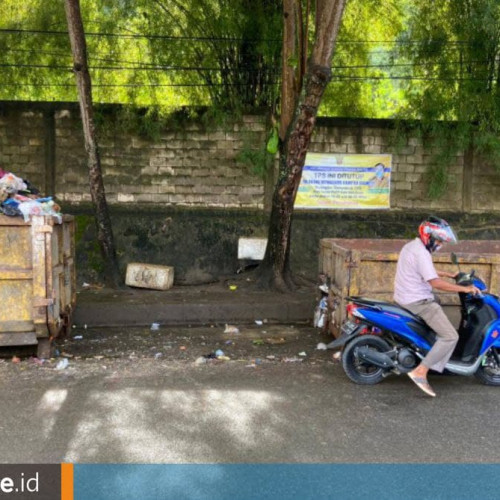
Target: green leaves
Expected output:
[146,52]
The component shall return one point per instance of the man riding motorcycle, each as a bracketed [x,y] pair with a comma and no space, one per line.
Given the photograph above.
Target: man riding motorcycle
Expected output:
[415,279]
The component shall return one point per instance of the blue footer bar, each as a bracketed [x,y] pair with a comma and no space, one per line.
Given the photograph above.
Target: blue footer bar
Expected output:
[286,481]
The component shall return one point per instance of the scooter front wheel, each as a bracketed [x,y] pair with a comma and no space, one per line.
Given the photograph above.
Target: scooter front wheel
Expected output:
[359,370]
[489,372]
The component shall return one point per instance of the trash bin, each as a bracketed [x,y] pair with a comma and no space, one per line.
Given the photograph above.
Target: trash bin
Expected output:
[367,267]
[37,280]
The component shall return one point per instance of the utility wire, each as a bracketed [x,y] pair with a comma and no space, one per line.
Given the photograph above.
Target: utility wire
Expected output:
[7,31]
[336,79]
[131,68]
[130,84]
[251,69]
[133,36]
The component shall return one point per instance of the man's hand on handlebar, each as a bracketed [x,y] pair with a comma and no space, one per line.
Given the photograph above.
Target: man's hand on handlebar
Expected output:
[472,290]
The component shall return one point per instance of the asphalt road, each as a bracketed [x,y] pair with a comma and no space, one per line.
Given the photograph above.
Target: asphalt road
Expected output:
[157,410]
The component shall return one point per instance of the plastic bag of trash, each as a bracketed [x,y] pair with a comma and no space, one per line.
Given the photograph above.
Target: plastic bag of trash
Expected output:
[12,184]
[321,309]
[320,313]
[62,364]
[42,206]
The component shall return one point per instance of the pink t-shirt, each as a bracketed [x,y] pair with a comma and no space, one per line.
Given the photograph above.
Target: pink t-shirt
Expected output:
[414,270]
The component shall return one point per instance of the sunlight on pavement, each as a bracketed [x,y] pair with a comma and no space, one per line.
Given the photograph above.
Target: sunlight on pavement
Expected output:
[49,406]
[174,426]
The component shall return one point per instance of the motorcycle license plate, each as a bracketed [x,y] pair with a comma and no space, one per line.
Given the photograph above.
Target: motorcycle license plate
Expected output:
[349,327]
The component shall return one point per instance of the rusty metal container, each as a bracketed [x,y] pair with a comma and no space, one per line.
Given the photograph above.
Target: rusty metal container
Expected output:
[368,267]
[37,280]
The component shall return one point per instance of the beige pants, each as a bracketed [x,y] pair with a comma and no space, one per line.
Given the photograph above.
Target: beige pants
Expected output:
[447,337]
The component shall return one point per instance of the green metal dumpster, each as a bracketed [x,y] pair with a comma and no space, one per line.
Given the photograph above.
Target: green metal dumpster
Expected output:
[367,267]
[37,280]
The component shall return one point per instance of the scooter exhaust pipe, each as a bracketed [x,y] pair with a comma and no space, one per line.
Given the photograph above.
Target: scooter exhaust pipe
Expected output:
[380,359]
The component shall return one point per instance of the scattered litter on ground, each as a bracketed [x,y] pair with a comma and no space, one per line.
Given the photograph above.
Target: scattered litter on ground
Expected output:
[336,356]
[294,359]
[188,346]
[259,322]
[321,347]
[275,341]
[94,286]
[155,326]
[16,360]
[62,364]
[231,329]
[303,354]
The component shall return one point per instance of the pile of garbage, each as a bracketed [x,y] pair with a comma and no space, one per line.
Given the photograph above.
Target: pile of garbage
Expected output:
[19,198]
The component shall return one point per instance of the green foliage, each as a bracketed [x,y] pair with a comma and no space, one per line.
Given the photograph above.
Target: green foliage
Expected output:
[258,160]
[142,52]
[87,244]
[150,122]
[454,48]
[362,63]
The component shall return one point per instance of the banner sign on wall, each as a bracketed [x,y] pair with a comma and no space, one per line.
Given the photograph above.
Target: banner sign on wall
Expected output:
[338,181]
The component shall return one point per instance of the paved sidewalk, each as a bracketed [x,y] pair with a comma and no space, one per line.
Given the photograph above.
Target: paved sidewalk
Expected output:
[215,303]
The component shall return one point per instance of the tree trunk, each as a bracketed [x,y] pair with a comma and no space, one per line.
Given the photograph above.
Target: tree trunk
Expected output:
[275,268]
[83,82]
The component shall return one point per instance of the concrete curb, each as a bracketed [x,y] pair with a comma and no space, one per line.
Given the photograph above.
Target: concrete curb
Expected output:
[293,308]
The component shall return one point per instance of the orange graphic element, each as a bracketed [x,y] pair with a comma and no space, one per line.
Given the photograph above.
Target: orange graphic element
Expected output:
[495,334]
[67,482]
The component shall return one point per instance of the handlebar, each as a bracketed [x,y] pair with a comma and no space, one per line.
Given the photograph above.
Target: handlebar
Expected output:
[468,279]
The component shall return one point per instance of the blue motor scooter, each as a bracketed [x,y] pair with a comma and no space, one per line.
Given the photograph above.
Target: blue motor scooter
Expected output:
[381,338]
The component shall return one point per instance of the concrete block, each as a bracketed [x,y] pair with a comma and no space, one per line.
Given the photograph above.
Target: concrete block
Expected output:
[252,248]
[149,276]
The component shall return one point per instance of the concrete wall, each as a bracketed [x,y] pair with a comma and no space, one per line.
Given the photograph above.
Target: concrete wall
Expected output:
[198,167]
[193,167]
[185,199]
[202,244]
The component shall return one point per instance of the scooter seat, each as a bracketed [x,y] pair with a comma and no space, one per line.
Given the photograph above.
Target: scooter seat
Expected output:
[417,324]
[390,307]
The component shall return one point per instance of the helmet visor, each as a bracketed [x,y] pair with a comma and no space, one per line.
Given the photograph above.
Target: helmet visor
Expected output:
[446,235]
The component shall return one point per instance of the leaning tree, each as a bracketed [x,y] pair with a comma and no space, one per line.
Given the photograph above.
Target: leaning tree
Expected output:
[305,75]
[83,81]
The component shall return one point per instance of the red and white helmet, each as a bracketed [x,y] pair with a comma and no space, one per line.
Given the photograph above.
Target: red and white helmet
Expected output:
[434,232]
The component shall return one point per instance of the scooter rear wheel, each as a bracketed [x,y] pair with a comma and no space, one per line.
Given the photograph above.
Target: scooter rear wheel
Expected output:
[489,373]
[358,370]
